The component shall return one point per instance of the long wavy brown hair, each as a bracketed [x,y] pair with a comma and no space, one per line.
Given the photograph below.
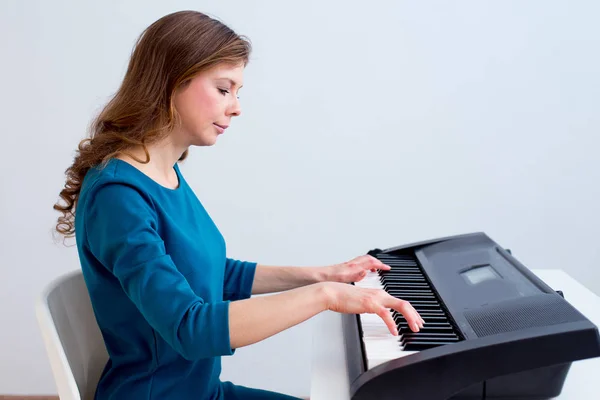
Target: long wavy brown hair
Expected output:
[166,56]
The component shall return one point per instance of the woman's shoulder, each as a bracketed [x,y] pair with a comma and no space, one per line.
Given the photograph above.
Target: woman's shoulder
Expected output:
[112,195]
[107,173]
[116,178]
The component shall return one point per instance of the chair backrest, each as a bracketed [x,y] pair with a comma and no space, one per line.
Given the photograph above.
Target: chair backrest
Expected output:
[71,335]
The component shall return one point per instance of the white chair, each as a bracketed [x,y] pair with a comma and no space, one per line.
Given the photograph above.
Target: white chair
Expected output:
[71,335]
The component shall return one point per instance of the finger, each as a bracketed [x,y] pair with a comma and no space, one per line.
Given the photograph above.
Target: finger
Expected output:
[375,265]
[385,314]
[384,267]
[417,316]
[378,262]
[410,314]
[420,320]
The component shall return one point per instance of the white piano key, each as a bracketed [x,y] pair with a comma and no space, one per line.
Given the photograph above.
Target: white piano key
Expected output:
[380,345]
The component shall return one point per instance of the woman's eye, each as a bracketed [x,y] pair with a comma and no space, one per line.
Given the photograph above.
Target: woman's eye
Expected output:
[223,91]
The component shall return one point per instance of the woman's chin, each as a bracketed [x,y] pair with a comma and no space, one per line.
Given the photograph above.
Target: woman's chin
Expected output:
[205,141]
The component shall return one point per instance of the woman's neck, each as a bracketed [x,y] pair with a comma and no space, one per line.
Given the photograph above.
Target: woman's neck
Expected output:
[163,156]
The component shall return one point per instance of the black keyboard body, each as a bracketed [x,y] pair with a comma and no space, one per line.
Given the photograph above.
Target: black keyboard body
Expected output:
[493,329]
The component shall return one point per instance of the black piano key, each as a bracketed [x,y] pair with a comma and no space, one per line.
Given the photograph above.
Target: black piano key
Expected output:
[427,329]
[395,257]
[421,313]
[423,307]
[397,314]
[431,326]
[425,303]
[383,256]
[433,313]
[417,300]
[408,342]
[400,292]
[439,335]
[390,280]
[420,346]
[404,279]
[403,292]
[412,296]
[406,286]
[434,318]
[421,289]
[403,264]
[401,271]
[423,339]
[400,263]
[407,281]
[406,295]
[429,335]
[403,324]
[414,286]
[393,261]
[392,269]
[409,292]
[400,281]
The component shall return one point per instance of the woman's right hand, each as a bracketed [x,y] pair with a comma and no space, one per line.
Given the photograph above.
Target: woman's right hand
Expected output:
[350,299]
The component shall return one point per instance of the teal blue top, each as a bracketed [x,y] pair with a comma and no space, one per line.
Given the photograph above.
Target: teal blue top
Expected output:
[160,284]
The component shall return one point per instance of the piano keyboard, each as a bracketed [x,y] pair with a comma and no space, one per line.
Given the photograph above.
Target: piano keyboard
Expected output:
[405,280]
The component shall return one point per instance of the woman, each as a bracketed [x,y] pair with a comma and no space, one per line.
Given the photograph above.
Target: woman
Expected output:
[168,300]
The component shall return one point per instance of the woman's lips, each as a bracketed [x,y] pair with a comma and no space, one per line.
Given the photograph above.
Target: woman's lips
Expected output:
[220,128]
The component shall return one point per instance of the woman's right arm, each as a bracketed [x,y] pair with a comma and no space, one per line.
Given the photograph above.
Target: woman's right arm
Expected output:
[255,319]
[122,235]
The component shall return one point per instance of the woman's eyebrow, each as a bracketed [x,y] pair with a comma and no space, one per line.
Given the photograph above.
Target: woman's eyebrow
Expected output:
[233,83]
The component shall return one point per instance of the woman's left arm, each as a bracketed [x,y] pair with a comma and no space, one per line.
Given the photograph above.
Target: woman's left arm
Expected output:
[269,279]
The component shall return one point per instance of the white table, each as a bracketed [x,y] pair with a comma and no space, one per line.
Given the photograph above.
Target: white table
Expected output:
[329,380]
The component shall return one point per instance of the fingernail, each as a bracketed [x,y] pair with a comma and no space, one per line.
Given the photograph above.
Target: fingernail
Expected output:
[416,327]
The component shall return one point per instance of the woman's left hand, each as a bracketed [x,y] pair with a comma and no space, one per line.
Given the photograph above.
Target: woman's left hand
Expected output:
[354,270]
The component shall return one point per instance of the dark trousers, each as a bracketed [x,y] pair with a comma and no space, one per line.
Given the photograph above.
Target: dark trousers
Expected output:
[236,392]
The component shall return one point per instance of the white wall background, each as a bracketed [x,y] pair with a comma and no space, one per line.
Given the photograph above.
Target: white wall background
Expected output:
[365,124]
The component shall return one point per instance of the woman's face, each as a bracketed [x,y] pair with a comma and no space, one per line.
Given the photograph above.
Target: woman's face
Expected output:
[207,103]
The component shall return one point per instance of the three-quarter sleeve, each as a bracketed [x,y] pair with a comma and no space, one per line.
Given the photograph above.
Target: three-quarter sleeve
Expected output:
[239,277]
